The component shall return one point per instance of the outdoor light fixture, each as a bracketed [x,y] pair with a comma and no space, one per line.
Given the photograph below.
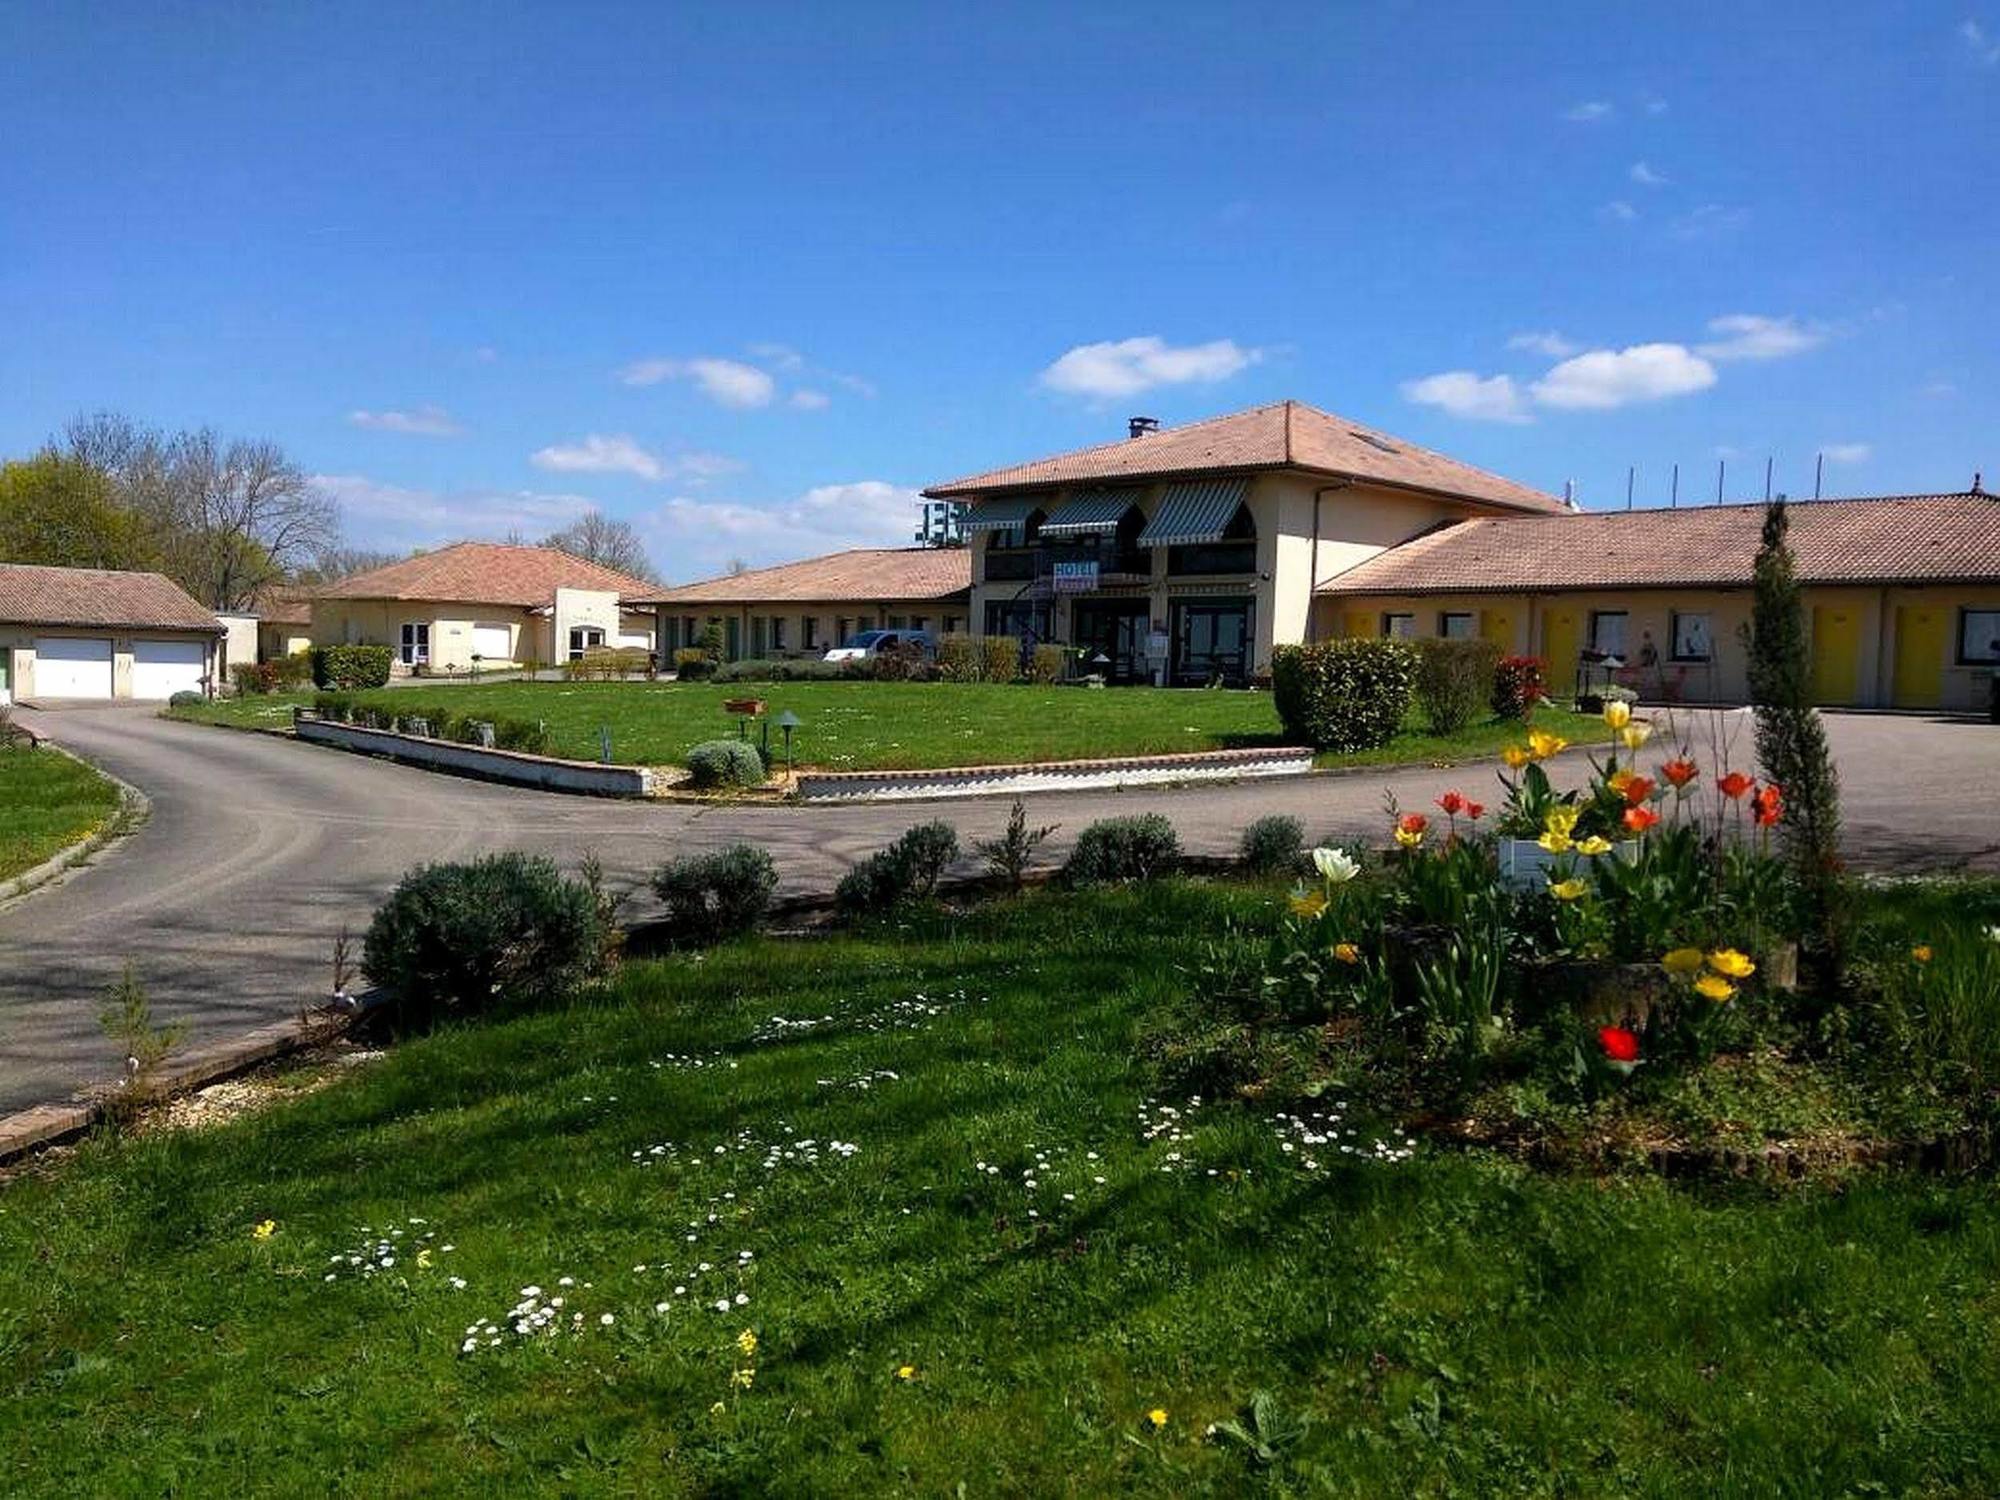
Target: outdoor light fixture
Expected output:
[787,721]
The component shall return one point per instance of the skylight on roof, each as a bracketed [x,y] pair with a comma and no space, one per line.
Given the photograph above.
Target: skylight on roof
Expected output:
[1374,442]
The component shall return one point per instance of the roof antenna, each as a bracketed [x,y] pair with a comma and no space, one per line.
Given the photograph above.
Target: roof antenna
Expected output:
[1720,465]
[1674,496]
[1631,475]
[1819,473]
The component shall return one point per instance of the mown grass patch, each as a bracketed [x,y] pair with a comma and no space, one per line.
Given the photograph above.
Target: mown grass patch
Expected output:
[941,1290]
[48,801]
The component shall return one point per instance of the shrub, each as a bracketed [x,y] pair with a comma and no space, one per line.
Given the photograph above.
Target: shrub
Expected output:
[717,895]
[1045,665]
[1136,848]
[350,667]
[901,664]
[1343,695]
[958,658]
[1454,682]
[253,678]
[458,937]
[779,669]
[692,664]
[294,671]
[999,658]
[907,870]
[529,737]
[1518,685]
[725,763]
[1008,856]
[339,707]
[1273,845]
[709,641]
[185,698]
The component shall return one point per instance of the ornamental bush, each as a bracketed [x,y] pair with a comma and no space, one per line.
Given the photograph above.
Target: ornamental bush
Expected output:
[725,763]
[1344,695]
[1454,682]
[691,664]
[1273,845]
[1518,686]
[1045,665]
[459,937]
[253,678]
[958,658]
[350,668]
[787,669]
[1136,848]
[907,870]
[999,658]
[717,895]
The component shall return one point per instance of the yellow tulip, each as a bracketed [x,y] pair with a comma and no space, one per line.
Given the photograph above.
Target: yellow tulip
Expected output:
[1619,779]
[1682,963]
[1309,903]
[1515,756]
[1562,818]
[1729,961]
[1714,987]
[1571,889]
[1555,843]
[1921,953]
[1409,838]
[1593,846]
[1347,953]
[1618,713]
[1542,744]
[1635,735]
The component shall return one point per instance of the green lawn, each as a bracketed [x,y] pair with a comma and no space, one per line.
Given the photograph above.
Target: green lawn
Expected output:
[893,726]
[1017,1227]
[47,802]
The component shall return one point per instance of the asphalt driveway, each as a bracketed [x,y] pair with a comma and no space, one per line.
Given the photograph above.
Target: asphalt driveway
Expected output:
[260,850]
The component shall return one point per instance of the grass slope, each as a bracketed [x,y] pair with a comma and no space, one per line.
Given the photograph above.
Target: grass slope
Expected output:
[47,802]
[861,726]
[1449,1323]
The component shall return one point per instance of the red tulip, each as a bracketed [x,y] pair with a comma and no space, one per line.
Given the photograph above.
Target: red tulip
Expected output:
[1619,1044]
[1639,819]
[1769,804]
[1413,822]
[1637,790]
[1680,772]
[1734,785]
[1453,804]
[1474,809]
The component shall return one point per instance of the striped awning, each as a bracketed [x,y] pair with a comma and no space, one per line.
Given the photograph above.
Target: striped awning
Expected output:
[1090,511]
[1195,513]
[1003,514]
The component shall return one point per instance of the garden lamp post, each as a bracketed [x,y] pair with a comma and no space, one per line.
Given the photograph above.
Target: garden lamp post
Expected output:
[788,721]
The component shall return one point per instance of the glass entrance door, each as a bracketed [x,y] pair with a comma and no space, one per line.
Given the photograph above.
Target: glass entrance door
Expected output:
[1212,642]
[1115,628]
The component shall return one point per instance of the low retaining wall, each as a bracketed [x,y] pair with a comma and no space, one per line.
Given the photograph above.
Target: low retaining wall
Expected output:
[1052,776]
[511,766]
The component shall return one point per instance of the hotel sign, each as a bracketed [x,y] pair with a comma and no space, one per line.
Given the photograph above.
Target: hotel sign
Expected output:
[1075,577]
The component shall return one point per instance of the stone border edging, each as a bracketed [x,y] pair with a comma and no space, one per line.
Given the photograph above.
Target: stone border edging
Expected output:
[1053,776]
[132,811]
[513,767]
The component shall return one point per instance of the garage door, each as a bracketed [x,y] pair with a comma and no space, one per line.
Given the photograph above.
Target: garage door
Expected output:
[72,667]
[162,668]
[493,642]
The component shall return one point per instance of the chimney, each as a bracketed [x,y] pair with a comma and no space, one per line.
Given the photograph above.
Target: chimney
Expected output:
[1139,426]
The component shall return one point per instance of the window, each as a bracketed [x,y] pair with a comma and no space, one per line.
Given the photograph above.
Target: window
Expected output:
[843,631]
[1211,642]
[416,651]
[1458,625]
[1979,637]
[954,624]
[778,633]
[1693,639]
[1235,553]
[920,622]
[899,622]
[1399,626]
[809,632]
[584,638]
[760,636]
[1607,632]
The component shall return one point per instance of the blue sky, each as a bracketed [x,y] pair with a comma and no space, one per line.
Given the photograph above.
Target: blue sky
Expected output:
[751,275]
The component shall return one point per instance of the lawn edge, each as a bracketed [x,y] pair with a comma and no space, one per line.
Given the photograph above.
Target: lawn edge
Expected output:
[134,807]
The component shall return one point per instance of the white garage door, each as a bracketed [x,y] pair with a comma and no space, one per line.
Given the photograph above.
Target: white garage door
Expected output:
[493,642]
[162,668]
[72,667]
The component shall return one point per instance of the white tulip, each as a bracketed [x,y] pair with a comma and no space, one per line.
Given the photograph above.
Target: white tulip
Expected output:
[1335,866]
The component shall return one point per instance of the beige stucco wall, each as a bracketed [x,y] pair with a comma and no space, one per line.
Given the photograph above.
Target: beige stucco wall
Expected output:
[534,636]
[1871,617]
[833,622]
[239,642]
[275,641]
[17,648]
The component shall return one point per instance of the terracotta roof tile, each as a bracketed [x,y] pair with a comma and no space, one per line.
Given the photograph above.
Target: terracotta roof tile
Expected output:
[1883,539]
[98,598]
[485,573]
[870,574]
[1283,435]
[284,604]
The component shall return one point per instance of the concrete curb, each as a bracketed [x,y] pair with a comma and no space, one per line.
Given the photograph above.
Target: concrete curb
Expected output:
[1098,774]
[132,811]
[513,767]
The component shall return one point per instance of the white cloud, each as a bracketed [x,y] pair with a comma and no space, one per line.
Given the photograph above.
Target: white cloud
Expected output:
[727,382]
[1938,390]
[1709,220]
[616,453]
[1590,112]
[780,357]
[1544,341]
[1980,42]
[810,400]
[1754,336]
[1128,367]
[697,538]
[422,421]
[1619,211]
[1653,104]
[1606,378]
[1846,453]
[1645,176]
[393,517]
[1464,394]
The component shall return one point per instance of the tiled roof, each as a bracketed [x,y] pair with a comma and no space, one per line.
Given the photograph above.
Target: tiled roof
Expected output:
[863,574]
[1283,435]
[1885,539]
[284,604]
[98,598]
[485,573]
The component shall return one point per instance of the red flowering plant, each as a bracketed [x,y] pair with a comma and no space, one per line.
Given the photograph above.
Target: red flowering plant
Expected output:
[1443,881]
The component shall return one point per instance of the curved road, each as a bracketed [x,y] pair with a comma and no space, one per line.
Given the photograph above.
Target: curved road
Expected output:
[259,850]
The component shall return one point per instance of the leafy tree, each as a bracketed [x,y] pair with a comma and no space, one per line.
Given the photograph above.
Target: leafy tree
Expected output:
[59,511]
[1791,740]
[597,538]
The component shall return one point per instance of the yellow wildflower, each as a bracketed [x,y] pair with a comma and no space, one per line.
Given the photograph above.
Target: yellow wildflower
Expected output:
[1682,963]
[1714,987]
[1571,889]
[264,1230]
[1921,953]
[1515,756]
[717,1410]
[1618,713]
[1308,903]
[1542,744]
[1157,1416]
[746,1343]
[1635,735]
[1729,961]
[906,1372]
[1593,846]
[1555,843]
[1347,953]
[741,1379]
[423,1260]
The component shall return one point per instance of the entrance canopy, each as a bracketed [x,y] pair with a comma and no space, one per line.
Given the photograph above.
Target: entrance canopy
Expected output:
[1196,513]
[1006,514]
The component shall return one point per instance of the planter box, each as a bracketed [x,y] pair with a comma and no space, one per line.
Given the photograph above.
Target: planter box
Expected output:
[1524,863]
[744,708]
[511,766]
[1073,775]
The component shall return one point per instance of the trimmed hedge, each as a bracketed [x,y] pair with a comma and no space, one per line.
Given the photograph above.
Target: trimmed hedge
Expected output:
[958,658]
[530,737]
[351,668]
[1344,695]
[1454,681]
[692,665]
[1135,848]
[717,895]
[789,669]
[716,763]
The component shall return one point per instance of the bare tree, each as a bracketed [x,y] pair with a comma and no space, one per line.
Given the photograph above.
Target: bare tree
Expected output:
[597,538]
[342,561]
